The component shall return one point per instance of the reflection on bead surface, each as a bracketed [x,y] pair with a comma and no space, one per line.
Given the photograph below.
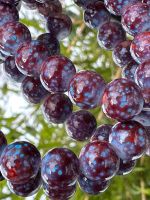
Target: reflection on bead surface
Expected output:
[126,167]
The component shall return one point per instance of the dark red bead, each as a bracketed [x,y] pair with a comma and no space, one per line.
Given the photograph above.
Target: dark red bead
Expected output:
[128,72]
[143,118]
[126,167]
[3,142]
[98,161]
[129,140]
[86,89]
[122,100]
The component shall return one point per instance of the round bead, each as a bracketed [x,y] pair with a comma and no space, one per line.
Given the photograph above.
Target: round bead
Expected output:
[136,19]
[121,54]
[86,89]
[110,34]
[59,25]
[56,74]
[98,161]
[140,47]
[129,140]
[122,100]
[30,56]
[126,167]
[102,133]
[11,70]
[92,187]
[3,142]
[128,72]
[143,118]
[57,108]
[60,165]
[20,161]
[32,90]
[26,189]
[96,14]
[80,125]
[12,35]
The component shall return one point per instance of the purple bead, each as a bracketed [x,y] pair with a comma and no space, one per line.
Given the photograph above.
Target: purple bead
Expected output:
[20,161]
[128,72]
[143,118]
[126,167]
[96,14]
[60,165]
[86,89]
[122,100]
[32,90]
[11,70]
[12,35]
[57,108]
[110,34]
[146,1]
[80,125]
[140,47]
[98,161]
[129,140]
[3,142]
[26,189]
[92,187]
[56,73]
[11,2]
[102,133]
[136,19]
[121,54]
[30,56]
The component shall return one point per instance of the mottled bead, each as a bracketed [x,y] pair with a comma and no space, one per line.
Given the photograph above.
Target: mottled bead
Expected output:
[110,34]
[30,56]
[20,161]
[3,142]
[26,189]
[128,139]
[12,35]
[126,167]
[98,161]
[140,47]
[32,90]
[57,108]
[136,19]
[80,125]
[11,71]
[143,118]
[102,133]
[121,54]
[56,73]
[122,100]
[96,14]
[60,165]
[86,89]
[128,72]
[60,25]
[92,187]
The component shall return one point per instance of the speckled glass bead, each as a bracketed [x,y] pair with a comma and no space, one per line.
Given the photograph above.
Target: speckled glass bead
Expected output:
[59,25]
[86,89]
[56,73]
[126,167]
[30,56]
[102,133]
[20,161]
[136,19]
[80,125]
[142,78]
[12,35]
[98,161]
[3,142]
[32,90]
[128,139]
[121,54]
[96,14]
[60,165]
[140,47]
[57,108]
[110,34]
[92,187]
[26,189]
[117,7]
[11,71]
[128,72]
[143,118]
[122,100]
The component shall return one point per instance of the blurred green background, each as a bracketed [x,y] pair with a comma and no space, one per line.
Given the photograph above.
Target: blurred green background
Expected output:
[22,121]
